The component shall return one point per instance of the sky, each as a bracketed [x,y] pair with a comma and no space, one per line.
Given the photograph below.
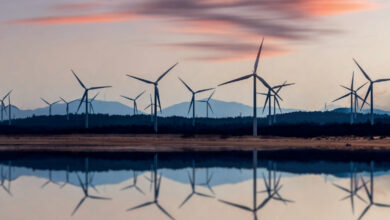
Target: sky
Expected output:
[308,42]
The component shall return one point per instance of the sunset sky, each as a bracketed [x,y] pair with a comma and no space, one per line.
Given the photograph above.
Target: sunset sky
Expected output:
[309,42]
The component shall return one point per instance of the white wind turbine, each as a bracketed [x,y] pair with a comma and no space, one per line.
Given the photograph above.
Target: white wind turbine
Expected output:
[192,103]
[85,97]
[135,108]
[156,93]
[208,106]
[255,76]
[3,107]
[91,101]
[50,104]
[67,106]
[370,91]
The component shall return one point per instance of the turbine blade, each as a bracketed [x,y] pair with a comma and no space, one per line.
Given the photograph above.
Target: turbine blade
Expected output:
[78,205]
[365,98]
[140,79]
[191,103]
[361,69]
[63,100]
[139,95]
[99,197]
[340,187]
[349,89]
[158,99]
[236,80]
[164,211]
[81,83]
[361,87]
[166,72]
[210,107]
[94,97]
[265,103]
[258,56]
[364,212]
[81,100]
[235,205]
[7,95]
[204,90]
[211,95]
[277,102]
[382,205]
[268,86]
[45,101]
[147,107]
[342,97]
[99,87]
[127,98]
[185,84]
[382,80]
[186,199]
[140,206]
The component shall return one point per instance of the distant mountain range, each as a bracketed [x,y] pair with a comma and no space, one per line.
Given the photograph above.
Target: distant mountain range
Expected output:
[221,109]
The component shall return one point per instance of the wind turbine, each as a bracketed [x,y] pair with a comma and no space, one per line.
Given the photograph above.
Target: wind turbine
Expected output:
[156,191]
[134,101]
[3,107]
[134,184]
[354,187]
[193,187]
[151,108]
[370,90]
[356,97]
[208,106]
[192,103]
[370,194]
[50,104]
[67,106]
[85,96]
[269,95]
[91,101]
[85,186]
[156,93]
[255,208]
[255,76]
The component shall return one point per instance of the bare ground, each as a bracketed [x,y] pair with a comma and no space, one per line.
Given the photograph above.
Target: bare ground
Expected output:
[177,143]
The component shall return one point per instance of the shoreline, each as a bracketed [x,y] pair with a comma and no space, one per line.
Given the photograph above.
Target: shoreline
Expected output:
[179,143]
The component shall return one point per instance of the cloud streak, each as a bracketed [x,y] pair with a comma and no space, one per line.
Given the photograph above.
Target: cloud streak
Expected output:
[78,19]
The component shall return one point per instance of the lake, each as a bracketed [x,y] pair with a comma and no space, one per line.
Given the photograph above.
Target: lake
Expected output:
[229,185]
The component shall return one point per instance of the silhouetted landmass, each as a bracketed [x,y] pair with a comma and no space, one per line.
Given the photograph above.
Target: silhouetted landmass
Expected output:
[295,124]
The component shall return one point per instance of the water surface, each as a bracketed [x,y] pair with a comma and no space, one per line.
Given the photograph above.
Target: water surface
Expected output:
[191,186]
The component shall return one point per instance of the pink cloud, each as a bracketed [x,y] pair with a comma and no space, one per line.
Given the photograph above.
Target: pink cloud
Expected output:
[78,19]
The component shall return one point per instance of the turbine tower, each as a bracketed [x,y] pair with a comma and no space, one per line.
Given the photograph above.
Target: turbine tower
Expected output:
[50,104]
[67,106]
[85,96]
[208,106]
[156,93]
[135,108]
[192,103]
[3,107]
[255,76]
[370,91]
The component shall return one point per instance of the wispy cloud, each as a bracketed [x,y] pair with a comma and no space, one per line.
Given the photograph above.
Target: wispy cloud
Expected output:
[243,22]
[78,19]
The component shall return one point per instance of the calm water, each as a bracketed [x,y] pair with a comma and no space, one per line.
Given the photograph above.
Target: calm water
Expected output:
[163,186]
